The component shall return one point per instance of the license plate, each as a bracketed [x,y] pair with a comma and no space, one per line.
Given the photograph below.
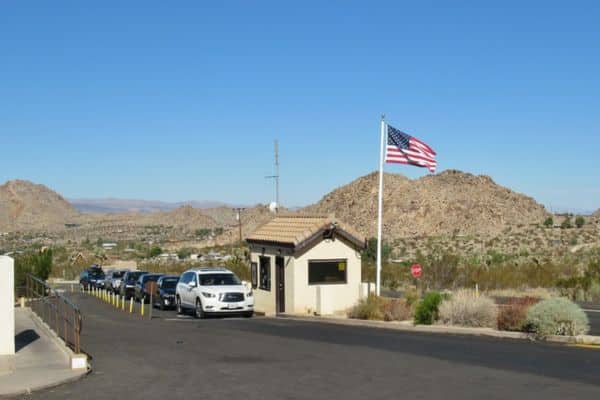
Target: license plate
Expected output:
[233,306]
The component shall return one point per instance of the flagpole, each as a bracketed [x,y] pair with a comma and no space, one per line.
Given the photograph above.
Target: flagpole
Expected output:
[380,206]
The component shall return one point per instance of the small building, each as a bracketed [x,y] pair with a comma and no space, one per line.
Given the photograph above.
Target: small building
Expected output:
[109,246]
[304,264]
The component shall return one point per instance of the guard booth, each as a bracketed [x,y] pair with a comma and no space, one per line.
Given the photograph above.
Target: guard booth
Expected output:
[303,264]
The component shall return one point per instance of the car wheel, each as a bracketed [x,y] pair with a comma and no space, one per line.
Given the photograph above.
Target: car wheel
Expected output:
[248,314]
[179,309]
[199,311]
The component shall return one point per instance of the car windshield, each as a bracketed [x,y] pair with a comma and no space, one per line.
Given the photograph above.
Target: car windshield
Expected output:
[169,283]
[133,276]
[150,278]
[218,279]
[96,274]
[118,274]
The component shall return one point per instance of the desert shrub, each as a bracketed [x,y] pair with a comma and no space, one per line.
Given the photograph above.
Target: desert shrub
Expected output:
[548,222]
[579,221]
[426,312]
[558,316]
[411,296]
[512,316]
[593,292]
[369,308]
[464,308]
[396,310]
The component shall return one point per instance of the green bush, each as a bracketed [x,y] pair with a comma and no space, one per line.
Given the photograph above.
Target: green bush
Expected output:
[369,308]
[465,308]
[579,221]
[426,312]
[549,222]
[557,316]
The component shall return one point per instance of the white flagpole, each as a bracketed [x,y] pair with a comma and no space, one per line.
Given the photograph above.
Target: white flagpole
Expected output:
[380,206]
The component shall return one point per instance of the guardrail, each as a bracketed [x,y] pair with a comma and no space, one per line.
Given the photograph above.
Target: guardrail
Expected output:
[58,312]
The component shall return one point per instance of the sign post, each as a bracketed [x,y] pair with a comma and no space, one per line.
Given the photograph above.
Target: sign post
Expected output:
[416,270]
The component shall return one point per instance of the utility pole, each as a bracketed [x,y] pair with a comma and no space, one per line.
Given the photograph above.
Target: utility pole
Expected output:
[238,216]
[276,176]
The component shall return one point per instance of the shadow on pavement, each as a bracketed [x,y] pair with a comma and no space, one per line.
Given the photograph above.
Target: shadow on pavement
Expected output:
[24,338]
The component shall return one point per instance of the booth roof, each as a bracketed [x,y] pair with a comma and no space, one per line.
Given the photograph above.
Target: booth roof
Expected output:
[297,229]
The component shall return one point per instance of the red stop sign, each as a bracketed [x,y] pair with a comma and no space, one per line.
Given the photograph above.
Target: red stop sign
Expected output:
[416,270]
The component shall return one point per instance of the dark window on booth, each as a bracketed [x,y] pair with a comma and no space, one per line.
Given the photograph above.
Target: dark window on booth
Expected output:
[265,273]
[254,274]
[327,272]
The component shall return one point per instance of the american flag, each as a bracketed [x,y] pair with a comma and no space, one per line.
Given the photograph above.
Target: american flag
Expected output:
[405,149]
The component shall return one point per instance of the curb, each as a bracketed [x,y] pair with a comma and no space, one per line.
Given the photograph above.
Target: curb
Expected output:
[38,388]
[406,326]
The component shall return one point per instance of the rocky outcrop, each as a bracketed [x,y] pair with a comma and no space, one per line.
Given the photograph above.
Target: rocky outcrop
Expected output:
[449,203]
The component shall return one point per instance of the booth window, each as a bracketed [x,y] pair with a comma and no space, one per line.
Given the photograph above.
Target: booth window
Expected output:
[265,273]
[322,272]
[254,274]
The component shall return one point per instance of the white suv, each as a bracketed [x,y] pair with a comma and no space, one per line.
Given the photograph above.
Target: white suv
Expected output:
[214,291]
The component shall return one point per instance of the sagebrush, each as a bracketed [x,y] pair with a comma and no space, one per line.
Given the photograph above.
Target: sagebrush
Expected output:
[465,308]
[558,316]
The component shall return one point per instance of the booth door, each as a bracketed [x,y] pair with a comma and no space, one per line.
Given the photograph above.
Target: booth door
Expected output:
[280,282]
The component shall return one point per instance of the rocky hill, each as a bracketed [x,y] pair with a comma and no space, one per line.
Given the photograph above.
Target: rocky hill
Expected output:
[25,205]
[596,214]
[448,203]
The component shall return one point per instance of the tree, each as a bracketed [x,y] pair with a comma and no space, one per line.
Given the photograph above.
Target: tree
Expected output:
[154,251]
[37,263]
[370,253]
[549,222]
[579,221]
[566,224]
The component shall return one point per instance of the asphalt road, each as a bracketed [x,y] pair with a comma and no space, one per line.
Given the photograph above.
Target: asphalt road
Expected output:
[266,358]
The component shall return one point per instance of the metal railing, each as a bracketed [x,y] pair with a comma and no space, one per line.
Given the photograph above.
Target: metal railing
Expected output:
[58,312]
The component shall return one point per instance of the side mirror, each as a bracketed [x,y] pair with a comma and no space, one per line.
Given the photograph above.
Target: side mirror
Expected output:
[192,284]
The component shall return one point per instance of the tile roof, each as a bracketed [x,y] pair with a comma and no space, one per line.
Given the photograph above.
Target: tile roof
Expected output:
[295,229]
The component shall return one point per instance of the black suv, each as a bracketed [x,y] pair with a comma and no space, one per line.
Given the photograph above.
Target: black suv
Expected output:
[127,286]
[91,277]
[164,296]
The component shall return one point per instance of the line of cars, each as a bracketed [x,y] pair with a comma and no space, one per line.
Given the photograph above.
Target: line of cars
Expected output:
[203,291]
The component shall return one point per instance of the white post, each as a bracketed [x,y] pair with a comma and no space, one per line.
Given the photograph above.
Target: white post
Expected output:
[7,306]
[380,207]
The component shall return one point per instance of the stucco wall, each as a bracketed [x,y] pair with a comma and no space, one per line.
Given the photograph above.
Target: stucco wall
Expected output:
[329,298]
[300,297]
[265,301]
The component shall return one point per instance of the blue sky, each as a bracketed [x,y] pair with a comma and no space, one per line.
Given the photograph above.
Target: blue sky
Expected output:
[178,101]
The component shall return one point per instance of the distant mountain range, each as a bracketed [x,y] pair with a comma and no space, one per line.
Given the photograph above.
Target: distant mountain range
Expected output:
[112,205]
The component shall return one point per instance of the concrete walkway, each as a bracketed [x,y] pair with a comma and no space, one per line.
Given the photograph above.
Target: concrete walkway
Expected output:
[39,362]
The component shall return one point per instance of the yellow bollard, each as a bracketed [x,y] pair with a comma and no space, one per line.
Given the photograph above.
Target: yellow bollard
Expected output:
[130,305]
[116,302]
[142,307]
[123,303]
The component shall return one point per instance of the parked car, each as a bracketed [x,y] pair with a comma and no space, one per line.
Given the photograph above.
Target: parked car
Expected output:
[91,277]
[112,282]
[213,291]
[140,286]
[164,295]
[127,286]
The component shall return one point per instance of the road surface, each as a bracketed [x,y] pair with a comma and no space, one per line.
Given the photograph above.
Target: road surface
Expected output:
[266,358]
